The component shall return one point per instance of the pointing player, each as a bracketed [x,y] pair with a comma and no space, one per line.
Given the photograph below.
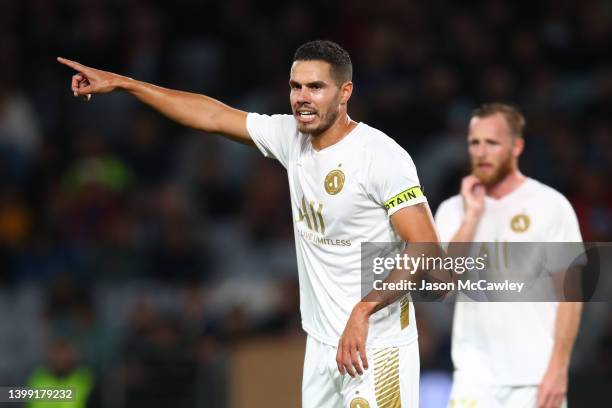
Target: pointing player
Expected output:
[508,354]
[349,184]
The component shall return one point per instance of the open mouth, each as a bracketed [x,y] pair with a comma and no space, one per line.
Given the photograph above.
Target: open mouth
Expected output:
[305,116]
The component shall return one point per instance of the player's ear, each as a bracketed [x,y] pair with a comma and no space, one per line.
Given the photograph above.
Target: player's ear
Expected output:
[346,90]
[519,146]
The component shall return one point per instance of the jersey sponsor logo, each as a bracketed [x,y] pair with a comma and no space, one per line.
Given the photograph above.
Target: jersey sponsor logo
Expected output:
[404,197]
[319,240]
[359,403]
[334,181]
[520,223]
[310,214]
[313,219]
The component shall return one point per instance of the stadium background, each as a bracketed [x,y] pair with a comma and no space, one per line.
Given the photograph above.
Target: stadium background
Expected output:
[161,261]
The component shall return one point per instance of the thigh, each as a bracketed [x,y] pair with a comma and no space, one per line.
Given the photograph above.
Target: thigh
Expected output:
[391,381]
[319,389]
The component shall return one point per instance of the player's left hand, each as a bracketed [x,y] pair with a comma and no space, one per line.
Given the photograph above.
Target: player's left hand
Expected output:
[553,388]
[351,348]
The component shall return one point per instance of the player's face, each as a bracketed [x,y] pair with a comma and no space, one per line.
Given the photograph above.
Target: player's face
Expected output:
[493,150]
[315,96]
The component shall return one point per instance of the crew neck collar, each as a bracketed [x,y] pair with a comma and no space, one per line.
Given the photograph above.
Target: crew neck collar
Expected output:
[340,142]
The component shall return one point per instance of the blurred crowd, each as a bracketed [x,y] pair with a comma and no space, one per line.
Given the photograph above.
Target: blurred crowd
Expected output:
[127,241]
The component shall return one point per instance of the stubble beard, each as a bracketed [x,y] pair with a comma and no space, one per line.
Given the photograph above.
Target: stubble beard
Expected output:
[326,122]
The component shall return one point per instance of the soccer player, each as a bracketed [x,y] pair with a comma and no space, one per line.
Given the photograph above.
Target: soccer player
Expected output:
[508,354]
[349,184]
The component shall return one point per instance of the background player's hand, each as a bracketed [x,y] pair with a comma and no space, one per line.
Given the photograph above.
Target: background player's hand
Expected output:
[473,193]
[351,348]
[553,388]
[89,81]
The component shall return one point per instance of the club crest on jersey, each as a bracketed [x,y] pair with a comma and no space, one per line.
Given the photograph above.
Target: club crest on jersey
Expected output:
[520,223]
[334,181]
[359,403]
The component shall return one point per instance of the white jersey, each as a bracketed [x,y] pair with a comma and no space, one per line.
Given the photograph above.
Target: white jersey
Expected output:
[509,343]
[341,196]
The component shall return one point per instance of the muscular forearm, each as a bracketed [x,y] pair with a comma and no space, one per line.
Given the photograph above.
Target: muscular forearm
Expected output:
[416,227]
[566,329]
[379,299]
[189,109]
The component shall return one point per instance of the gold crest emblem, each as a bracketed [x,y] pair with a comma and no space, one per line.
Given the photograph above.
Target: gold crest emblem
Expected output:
[520,223]
[334,181]
[359,403]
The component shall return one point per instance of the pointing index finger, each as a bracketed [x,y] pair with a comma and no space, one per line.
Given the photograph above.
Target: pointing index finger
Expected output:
[72,64]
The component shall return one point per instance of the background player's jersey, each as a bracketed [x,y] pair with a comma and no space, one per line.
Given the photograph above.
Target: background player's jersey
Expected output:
[341,196]
[509,343]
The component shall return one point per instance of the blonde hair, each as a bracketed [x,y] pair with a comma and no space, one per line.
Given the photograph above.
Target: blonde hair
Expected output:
[514,118]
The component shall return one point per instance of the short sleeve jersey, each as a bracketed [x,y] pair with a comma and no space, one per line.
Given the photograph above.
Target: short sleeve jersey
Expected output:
[509,343]
[341,196]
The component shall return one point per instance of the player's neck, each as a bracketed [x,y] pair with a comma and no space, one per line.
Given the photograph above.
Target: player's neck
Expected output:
[507,185]
[336,132]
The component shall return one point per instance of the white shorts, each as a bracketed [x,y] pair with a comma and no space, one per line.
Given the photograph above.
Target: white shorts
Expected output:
[391,381]
[468,392]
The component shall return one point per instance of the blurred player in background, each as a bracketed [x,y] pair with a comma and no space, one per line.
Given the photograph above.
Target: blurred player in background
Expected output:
[349,184]
[508,354]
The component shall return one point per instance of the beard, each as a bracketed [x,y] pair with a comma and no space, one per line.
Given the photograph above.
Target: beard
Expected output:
[326,122]
[497,175]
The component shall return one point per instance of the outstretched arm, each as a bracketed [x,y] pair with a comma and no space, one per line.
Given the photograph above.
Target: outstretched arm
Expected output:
[192,110]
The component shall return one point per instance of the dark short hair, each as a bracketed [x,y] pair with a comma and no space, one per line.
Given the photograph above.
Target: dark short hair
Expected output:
[514,118]
[330,52]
